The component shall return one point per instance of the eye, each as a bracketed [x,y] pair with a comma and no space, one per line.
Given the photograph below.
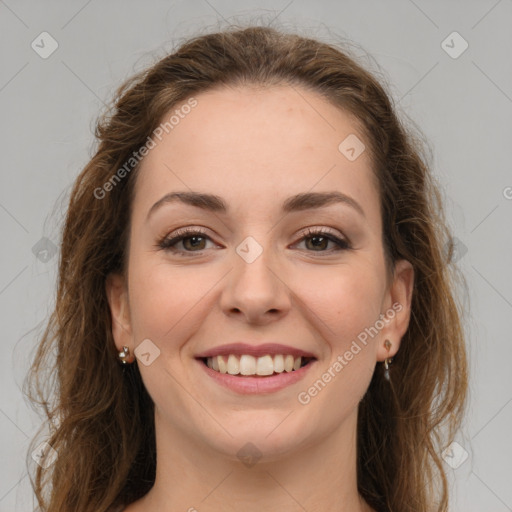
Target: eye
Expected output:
[192,239]
[320,238]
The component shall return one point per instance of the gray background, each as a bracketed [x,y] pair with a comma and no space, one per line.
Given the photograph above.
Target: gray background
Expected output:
[463,105]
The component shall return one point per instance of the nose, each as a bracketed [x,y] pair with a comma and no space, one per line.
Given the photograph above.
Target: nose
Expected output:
[255,292]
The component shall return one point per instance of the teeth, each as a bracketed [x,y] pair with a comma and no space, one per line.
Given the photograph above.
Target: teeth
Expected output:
[265,365]
[223,368]
[250,365]
[247,365]
[233,365]
[279,363]
[288,363]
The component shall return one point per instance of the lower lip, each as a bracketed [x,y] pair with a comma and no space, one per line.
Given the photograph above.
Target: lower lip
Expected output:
[257,385]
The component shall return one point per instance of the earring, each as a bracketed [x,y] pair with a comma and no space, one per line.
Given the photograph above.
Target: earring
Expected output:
[124,354]
[387,361]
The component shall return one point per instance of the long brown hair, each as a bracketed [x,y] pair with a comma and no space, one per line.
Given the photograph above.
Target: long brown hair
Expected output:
[100,414]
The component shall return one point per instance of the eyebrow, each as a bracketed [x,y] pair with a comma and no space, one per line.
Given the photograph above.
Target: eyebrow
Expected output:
[299,202]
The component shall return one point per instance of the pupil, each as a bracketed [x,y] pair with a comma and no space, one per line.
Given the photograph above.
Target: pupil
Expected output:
[195,239]
[318,238]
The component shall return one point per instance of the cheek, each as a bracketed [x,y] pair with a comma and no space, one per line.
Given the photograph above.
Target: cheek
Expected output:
[345,300]
[164,299]
[348,306]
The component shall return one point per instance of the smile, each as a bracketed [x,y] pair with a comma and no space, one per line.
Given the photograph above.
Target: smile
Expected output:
[264,366]
[250,368]
[253,383]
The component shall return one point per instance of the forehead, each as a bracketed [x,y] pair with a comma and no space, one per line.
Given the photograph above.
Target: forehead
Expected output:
[264,143]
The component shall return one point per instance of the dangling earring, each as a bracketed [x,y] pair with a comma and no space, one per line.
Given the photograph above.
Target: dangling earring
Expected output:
[387,361]
[124,354]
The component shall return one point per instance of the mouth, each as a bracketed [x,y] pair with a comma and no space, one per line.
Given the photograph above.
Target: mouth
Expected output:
[246,365]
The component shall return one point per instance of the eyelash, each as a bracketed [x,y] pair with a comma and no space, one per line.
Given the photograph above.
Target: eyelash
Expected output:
[167,243]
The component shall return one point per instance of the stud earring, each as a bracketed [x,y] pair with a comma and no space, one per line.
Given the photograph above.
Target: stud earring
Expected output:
[387,361]
[124,354]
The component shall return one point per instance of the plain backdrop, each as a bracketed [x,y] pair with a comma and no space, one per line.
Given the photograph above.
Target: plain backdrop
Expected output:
[460,97]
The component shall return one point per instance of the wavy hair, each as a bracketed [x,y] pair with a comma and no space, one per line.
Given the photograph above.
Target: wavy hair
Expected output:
[99,414]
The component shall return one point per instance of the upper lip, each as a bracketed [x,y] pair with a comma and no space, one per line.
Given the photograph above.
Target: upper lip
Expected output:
[255,350]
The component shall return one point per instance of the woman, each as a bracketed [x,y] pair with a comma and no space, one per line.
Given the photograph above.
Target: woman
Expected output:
[254,310]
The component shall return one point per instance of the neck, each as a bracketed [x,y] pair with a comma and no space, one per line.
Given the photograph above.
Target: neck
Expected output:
[191,477]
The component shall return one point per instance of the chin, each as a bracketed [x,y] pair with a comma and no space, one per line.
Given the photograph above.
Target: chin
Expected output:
[262,436]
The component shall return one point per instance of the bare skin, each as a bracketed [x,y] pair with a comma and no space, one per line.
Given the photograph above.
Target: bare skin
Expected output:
[255,148]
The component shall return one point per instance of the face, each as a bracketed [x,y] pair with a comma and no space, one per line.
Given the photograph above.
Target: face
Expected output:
[263,262]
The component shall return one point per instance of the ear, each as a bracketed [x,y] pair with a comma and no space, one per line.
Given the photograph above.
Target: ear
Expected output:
[117,295]
[397,311]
